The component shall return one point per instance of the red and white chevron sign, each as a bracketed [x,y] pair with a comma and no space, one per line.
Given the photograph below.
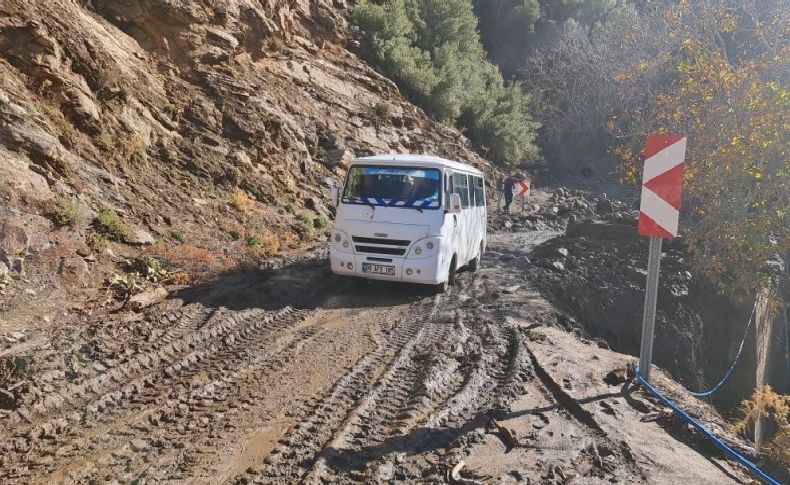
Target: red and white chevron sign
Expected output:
[522,188]
[662,183]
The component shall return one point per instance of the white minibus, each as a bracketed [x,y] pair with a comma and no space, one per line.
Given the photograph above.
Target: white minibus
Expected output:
[411,218]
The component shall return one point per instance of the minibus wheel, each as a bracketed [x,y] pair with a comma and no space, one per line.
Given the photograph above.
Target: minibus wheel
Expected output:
[474,264]
[450,281]
[451,273]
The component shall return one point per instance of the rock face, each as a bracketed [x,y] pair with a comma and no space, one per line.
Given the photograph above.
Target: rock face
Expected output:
[144,106]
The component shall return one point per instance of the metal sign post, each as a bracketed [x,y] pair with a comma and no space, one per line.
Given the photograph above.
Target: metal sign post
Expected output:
[659,211]
[649,315]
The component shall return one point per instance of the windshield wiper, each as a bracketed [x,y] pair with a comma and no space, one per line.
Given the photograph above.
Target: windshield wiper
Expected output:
[415,207]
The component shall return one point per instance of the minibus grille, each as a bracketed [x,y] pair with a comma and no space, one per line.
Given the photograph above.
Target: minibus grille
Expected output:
[375,240]
[394,247]
[381,250]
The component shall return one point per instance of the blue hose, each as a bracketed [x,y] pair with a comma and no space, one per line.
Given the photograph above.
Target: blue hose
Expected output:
[734,362]
[787,348]
[720,444]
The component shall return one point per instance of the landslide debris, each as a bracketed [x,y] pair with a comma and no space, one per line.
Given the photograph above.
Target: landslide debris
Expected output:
[596,271]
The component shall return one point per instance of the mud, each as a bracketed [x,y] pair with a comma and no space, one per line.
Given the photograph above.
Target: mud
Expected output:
[291,375]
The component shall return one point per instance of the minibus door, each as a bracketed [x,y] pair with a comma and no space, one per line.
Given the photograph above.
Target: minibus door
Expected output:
[450,230]
[461,187]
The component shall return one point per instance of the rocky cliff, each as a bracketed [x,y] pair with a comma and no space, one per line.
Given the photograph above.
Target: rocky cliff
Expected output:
[194,120]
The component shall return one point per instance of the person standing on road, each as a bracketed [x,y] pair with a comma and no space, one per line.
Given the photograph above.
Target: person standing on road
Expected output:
[508,187]
[500,190]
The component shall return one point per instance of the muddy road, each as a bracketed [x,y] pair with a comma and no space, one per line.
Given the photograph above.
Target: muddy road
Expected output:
[293,375]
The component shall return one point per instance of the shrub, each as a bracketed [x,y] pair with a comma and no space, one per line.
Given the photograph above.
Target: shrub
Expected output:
[305,231]
[62,212]
[383,110]
[138,157]
[126,285]
[68,134]
[109,225]
[304,218]
[289,208]
[123,150]
[189,258]
[97,242]
[253,241]
[304,226]
[320,222]
[240,201]
[233,175]
[180,278]
[178,235]
[172,112]
[150,268]
[265,243]
[768,403]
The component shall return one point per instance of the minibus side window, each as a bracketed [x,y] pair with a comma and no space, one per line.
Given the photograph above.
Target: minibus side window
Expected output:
[461,187]
[479,191]
[448,189]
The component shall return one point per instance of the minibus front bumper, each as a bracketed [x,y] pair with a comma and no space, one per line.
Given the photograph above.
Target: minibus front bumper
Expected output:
[412,270]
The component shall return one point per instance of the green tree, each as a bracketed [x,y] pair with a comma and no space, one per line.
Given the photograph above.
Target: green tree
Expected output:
[433,51]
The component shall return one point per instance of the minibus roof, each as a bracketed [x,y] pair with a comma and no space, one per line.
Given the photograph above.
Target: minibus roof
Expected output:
[419,160]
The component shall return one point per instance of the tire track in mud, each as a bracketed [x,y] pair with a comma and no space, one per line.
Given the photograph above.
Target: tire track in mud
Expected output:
[300,449]
[222,340]
[388,403]
[447,376]
[61,393]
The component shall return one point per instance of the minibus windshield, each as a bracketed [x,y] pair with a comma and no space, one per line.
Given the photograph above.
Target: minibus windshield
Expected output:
[393,187]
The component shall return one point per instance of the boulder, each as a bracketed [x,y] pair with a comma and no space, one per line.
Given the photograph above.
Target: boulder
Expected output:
[221,39]
[14,237]
[141,237]
[74,270]
[19,181]
[147,298]
[338,157]
[317,205]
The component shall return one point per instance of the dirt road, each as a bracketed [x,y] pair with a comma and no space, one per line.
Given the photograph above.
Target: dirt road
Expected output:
[350,382]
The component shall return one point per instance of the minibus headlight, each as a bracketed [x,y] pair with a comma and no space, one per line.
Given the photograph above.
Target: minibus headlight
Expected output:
[417,250]
[429,245]
[338,237]
[345,244]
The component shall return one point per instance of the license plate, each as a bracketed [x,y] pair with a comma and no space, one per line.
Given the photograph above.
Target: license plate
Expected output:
[378,269]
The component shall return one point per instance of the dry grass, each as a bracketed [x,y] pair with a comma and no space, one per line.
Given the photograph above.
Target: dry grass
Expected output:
[123,150]
[768,403]
[189,259]
[240,200]
[266,243]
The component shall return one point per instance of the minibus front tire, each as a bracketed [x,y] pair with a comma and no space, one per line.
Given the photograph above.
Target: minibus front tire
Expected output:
[474,264]
[450,281]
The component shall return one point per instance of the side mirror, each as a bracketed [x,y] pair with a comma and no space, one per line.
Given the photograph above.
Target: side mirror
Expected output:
[335,195]
[455,204]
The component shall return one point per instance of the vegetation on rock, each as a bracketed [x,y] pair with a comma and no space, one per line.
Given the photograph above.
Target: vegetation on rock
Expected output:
[109,225]
[62,212]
